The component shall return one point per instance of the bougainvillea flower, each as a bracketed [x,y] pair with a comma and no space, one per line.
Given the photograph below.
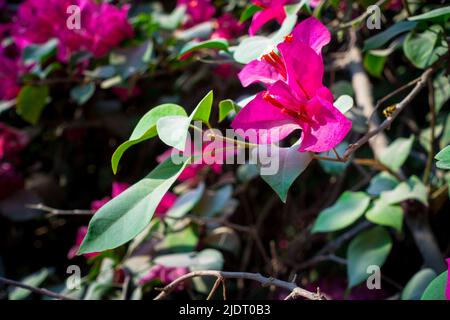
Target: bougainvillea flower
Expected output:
[270,67]
[164,274]
[227,27]
[297,101]
[12,141]
[102,26]
[10,180]
[447,289]
[198,11]
[271,10]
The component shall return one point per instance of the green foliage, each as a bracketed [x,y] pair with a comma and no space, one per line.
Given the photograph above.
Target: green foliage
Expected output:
[125,216]
[146,129]
[413,189]
[31,102]
[173,130]
[374,64]
[82,93]
[40,53]
[348,208]
[437,15]
[417,284]
[384,37]
[371,247]
[226,107]
[443,158]
[395,155]
[424,48]
[291,164]
[381,182]
[249,12]
[436,289]
[218,44]
[386,215]
[34,280]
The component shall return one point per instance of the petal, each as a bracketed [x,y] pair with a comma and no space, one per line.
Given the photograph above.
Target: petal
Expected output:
[312,33]
[262,17]
[258,71]
[262,122]
[283,94]
[304,78]
[327,129]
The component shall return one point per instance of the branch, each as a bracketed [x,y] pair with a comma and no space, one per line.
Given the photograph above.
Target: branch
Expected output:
[43,292]
[387,123]
[55,212]
[221,275]
[358,19]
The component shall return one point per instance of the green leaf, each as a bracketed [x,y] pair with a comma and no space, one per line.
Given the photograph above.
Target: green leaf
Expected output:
[395,155]
[285,165]
[145,129]
[384,37]
[82,93]
[425,48]
[441,85]
[208,259]
[219,44]
[436,15]
[369,248]
[443,158]
[184,240]
[40,53]
[383,181]
[436,289]
[34,280]
[172,20]
[214,202]
[173,130]
[386,215]
[249,12]
[348,208]
[125,216]
[374,64]
[31,102]
[251,48]
[413,189]
[417,284]
[131,60]
[344,103]
[334,167]
[225,108]
[184,204]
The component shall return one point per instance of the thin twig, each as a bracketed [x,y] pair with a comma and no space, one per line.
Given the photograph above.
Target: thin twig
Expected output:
[43,292]
[55,212]
[358,19]
[431,102]
[265,281]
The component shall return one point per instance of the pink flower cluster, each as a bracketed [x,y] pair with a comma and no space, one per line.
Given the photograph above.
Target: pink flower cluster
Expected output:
[197,11]
[102,26]
[165,274]
[10,71]
[295,97]
[12,142]
[271,10]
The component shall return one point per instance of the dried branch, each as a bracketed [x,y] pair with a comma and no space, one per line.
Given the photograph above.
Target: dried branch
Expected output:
[43,292]
[56,212]
[222,275]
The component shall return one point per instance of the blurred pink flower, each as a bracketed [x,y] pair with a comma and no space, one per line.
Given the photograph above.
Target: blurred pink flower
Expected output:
[10,180]
[227,27]
[198,11]
[10,72]
[81,233]
[191,172]
[165,274]
[447,289]
[272,10]
[103,26]
[125,93]
[296,97]
[12,141]
[166,203]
